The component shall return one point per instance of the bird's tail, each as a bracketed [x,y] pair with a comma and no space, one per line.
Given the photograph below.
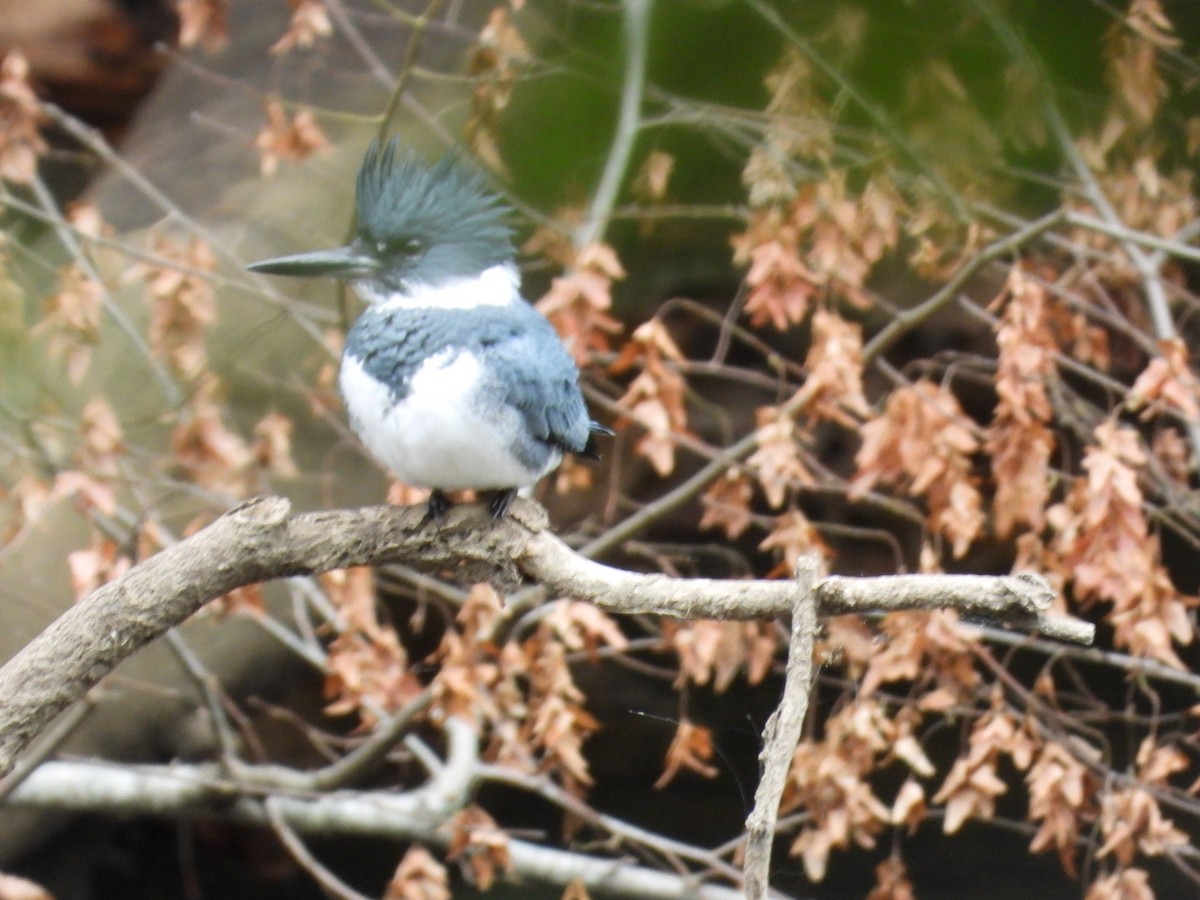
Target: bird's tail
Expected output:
[590,450]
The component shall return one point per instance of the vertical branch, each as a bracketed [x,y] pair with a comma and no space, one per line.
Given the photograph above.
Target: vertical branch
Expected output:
[636,33]
[783,732]
[1148,265]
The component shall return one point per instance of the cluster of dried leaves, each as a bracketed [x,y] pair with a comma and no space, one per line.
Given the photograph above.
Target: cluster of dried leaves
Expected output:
[1060,437]
[21,118]
[1082,487]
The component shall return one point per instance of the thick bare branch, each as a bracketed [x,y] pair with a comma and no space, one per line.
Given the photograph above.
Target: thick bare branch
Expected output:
[262,540]
[189,790]
[255,542]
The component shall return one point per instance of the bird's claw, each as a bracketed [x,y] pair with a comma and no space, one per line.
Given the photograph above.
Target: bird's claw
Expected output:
[500,502]
[439,505]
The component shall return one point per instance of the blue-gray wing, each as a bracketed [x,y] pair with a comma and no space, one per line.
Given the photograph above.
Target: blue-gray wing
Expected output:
[535,375]
[528,369]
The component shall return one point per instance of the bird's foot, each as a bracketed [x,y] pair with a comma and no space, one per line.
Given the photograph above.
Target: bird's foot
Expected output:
[500,502]
[439,505]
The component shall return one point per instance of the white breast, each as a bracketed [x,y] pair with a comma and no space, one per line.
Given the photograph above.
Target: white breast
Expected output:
[444,434]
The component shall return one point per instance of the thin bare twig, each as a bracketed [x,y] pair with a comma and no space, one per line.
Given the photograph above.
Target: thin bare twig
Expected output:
[353,767]
[46,747]
[210,691]
[911,318]
[292,842]
[400,86]
[66,236]
[624,832]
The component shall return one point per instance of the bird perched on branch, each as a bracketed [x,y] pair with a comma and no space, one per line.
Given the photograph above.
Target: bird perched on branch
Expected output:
[451,379]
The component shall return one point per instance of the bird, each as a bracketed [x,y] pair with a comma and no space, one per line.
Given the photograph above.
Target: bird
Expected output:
[450,378]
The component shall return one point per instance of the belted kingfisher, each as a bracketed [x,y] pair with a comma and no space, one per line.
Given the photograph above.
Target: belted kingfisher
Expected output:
[451,379]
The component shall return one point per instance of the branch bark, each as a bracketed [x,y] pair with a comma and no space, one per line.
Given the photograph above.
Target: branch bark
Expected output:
[262,539]
[183,790]
[782,733]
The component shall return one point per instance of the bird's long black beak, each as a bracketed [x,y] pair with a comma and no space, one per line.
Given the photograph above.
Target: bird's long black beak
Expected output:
[342,262]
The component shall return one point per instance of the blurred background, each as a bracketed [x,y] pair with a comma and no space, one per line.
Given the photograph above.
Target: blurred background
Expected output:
[917,277]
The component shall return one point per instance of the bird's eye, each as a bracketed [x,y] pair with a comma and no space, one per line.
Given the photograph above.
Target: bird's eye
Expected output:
[400,246]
